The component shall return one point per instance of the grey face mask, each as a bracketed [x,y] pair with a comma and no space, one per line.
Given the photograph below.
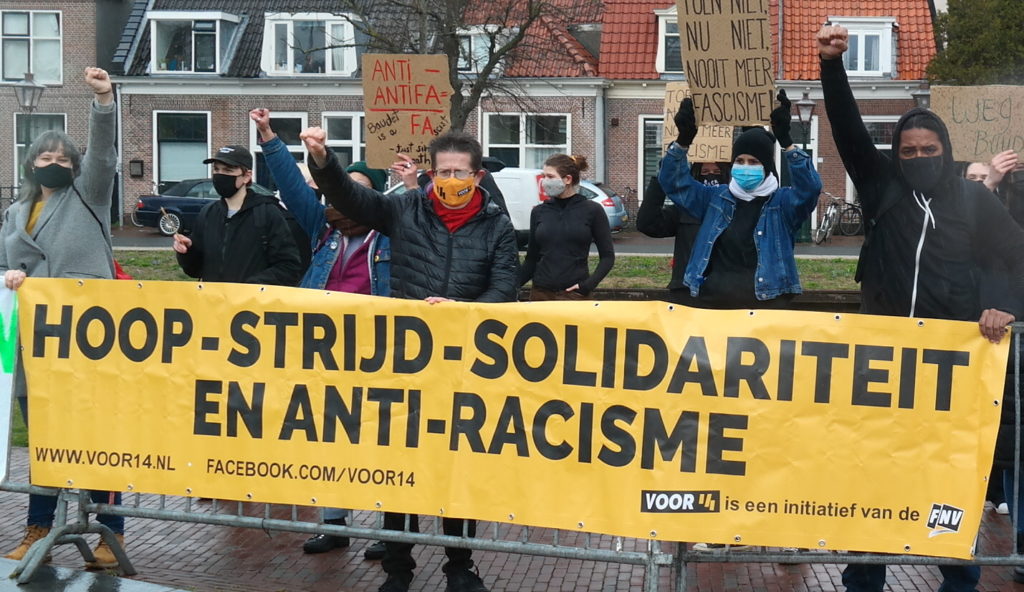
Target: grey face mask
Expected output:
[552,187]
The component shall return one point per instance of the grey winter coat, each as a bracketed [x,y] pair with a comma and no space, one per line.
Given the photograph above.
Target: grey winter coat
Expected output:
[67,242]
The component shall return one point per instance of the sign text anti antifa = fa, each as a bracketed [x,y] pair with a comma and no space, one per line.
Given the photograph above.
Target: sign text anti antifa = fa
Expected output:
[534,352]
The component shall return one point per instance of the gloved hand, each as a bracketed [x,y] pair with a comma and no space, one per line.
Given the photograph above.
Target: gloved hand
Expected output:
[686,123]
[781,120]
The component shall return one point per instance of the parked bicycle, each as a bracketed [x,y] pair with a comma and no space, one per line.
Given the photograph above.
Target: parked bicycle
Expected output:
[839,213]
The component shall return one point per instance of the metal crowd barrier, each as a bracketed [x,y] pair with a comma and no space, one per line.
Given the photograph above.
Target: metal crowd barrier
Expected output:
[491,536]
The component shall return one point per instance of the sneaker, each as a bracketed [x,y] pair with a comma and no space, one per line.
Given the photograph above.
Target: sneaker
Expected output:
[464,580]
[322,543]
[375,551]
[103,555]
[1002,508]
[32,534]
[717,547]
[395,583]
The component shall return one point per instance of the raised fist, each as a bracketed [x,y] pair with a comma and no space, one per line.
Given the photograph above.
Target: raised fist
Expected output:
[833,41]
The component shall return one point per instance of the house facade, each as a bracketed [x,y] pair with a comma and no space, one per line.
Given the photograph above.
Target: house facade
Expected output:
[586,81]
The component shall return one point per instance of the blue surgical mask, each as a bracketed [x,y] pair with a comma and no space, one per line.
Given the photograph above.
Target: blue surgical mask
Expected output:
[748,176]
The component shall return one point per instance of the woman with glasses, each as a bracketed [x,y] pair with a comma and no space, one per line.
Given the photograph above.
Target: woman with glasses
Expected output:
[562,229]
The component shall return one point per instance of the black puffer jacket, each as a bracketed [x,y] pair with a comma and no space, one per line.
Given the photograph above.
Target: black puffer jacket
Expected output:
[255,246]
[922,253]
[477,262]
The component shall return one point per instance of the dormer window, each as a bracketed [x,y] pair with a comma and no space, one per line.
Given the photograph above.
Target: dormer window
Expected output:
[475,46]
[308,43]
[188,42]
[670,56]
[871,42]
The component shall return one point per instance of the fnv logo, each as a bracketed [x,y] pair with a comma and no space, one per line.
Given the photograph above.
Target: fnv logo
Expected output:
[944,519]
[680,502]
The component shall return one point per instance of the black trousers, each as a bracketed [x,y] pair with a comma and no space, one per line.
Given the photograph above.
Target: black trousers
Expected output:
[398,556]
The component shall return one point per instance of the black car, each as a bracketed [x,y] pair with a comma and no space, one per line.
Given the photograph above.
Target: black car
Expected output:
[180,203]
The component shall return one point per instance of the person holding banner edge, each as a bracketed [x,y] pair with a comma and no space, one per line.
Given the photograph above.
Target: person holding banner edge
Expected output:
[59,228]
[449,242]
[743,253]
[928,234]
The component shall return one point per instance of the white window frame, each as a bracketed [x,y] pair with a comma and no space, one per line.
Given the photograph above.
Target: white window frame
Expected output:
[523,145]
[256,148]
[269,63]
[155,139]
[641,179]
[665,16]
[358,141]
[477,35]
[161,16]
[31,38]
[14,138]
[851,191]
[862,26]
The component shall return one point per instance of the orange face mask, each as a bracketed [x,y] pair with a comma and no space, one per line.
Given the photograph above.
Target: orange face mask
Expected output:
[454,192]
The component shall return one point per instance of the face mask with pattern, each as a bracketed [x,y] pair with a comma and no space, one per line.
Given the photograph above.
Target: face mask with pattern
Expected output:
[453,192]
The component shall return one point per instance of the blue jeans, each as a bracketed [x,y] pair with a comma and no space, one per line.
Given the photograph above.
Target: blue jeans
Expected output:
[871,578]
[41,508]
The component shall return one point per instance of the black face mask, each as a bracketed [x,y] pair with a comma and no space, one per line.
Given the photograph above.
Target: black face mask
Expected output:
[53,176]
[225,184]
[922,173]
[712,180]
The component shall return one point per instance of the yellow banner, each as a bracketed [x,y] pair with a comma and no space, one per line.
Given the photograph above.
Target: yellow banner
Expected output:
[637,419]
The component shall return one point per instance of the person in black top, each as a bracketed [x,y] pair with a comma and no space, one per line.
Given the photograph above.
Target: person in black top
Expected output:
[929,233]
[561,231]
[742,256]
[243,237]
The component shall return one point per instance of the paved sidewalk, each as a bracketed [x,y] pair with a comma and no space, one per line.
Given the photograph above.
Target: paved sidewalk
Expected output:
[203,558]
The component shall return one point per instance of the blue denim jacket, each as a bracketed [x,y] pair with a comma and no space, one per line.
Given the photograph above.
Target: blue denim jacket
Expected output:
[781,217]
[303,203]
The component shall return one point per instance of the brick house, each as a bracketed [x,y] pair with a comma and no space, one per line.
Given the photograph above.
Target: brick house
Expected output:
[592,84]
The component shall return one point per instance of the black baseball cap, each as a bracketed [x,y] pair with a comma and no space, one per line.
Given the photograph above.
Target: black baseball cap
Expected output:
[232,155]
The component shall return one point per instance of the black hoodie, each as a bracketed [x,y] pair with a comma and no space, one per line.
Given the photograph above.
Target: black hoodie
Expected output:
[923,252]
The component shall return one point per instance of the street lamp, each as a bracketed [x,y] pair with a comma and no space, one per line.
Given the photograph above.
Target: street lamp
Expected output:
[805,111]
[923,96]
[28,92]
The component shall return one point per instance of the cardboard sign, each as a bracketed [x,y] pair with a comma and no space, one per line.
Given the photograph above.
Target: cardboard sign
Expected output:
[982,120]
[727,59]
[407,100]
[713,142]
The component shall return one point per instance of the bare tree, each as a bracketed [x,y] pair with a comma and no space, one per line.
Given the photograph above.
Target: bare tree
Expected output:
[481,39]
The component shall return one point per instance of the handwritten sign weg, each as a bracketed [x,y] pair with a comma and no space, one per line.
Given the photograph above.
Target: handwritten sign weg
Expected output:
[982,120]
[713,142]
[407,100]
[727,48]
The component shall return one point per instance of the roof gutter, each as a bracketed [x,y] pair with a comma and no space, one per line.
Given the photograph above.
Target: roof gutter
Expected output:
[781,70]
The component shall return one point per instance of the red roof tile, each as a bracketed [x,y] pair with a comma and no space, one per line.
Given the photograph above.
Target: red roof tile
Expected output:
[629,42]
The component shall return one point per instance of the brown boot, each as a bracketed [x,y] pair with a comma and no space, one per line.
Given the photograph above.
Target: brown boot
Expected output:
[32,534]
[104,555]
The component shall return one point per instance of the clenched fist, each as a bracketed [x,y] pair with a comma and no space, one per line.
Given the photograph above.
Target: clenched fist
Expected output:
[315,139]
[99,81]
[833,41]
